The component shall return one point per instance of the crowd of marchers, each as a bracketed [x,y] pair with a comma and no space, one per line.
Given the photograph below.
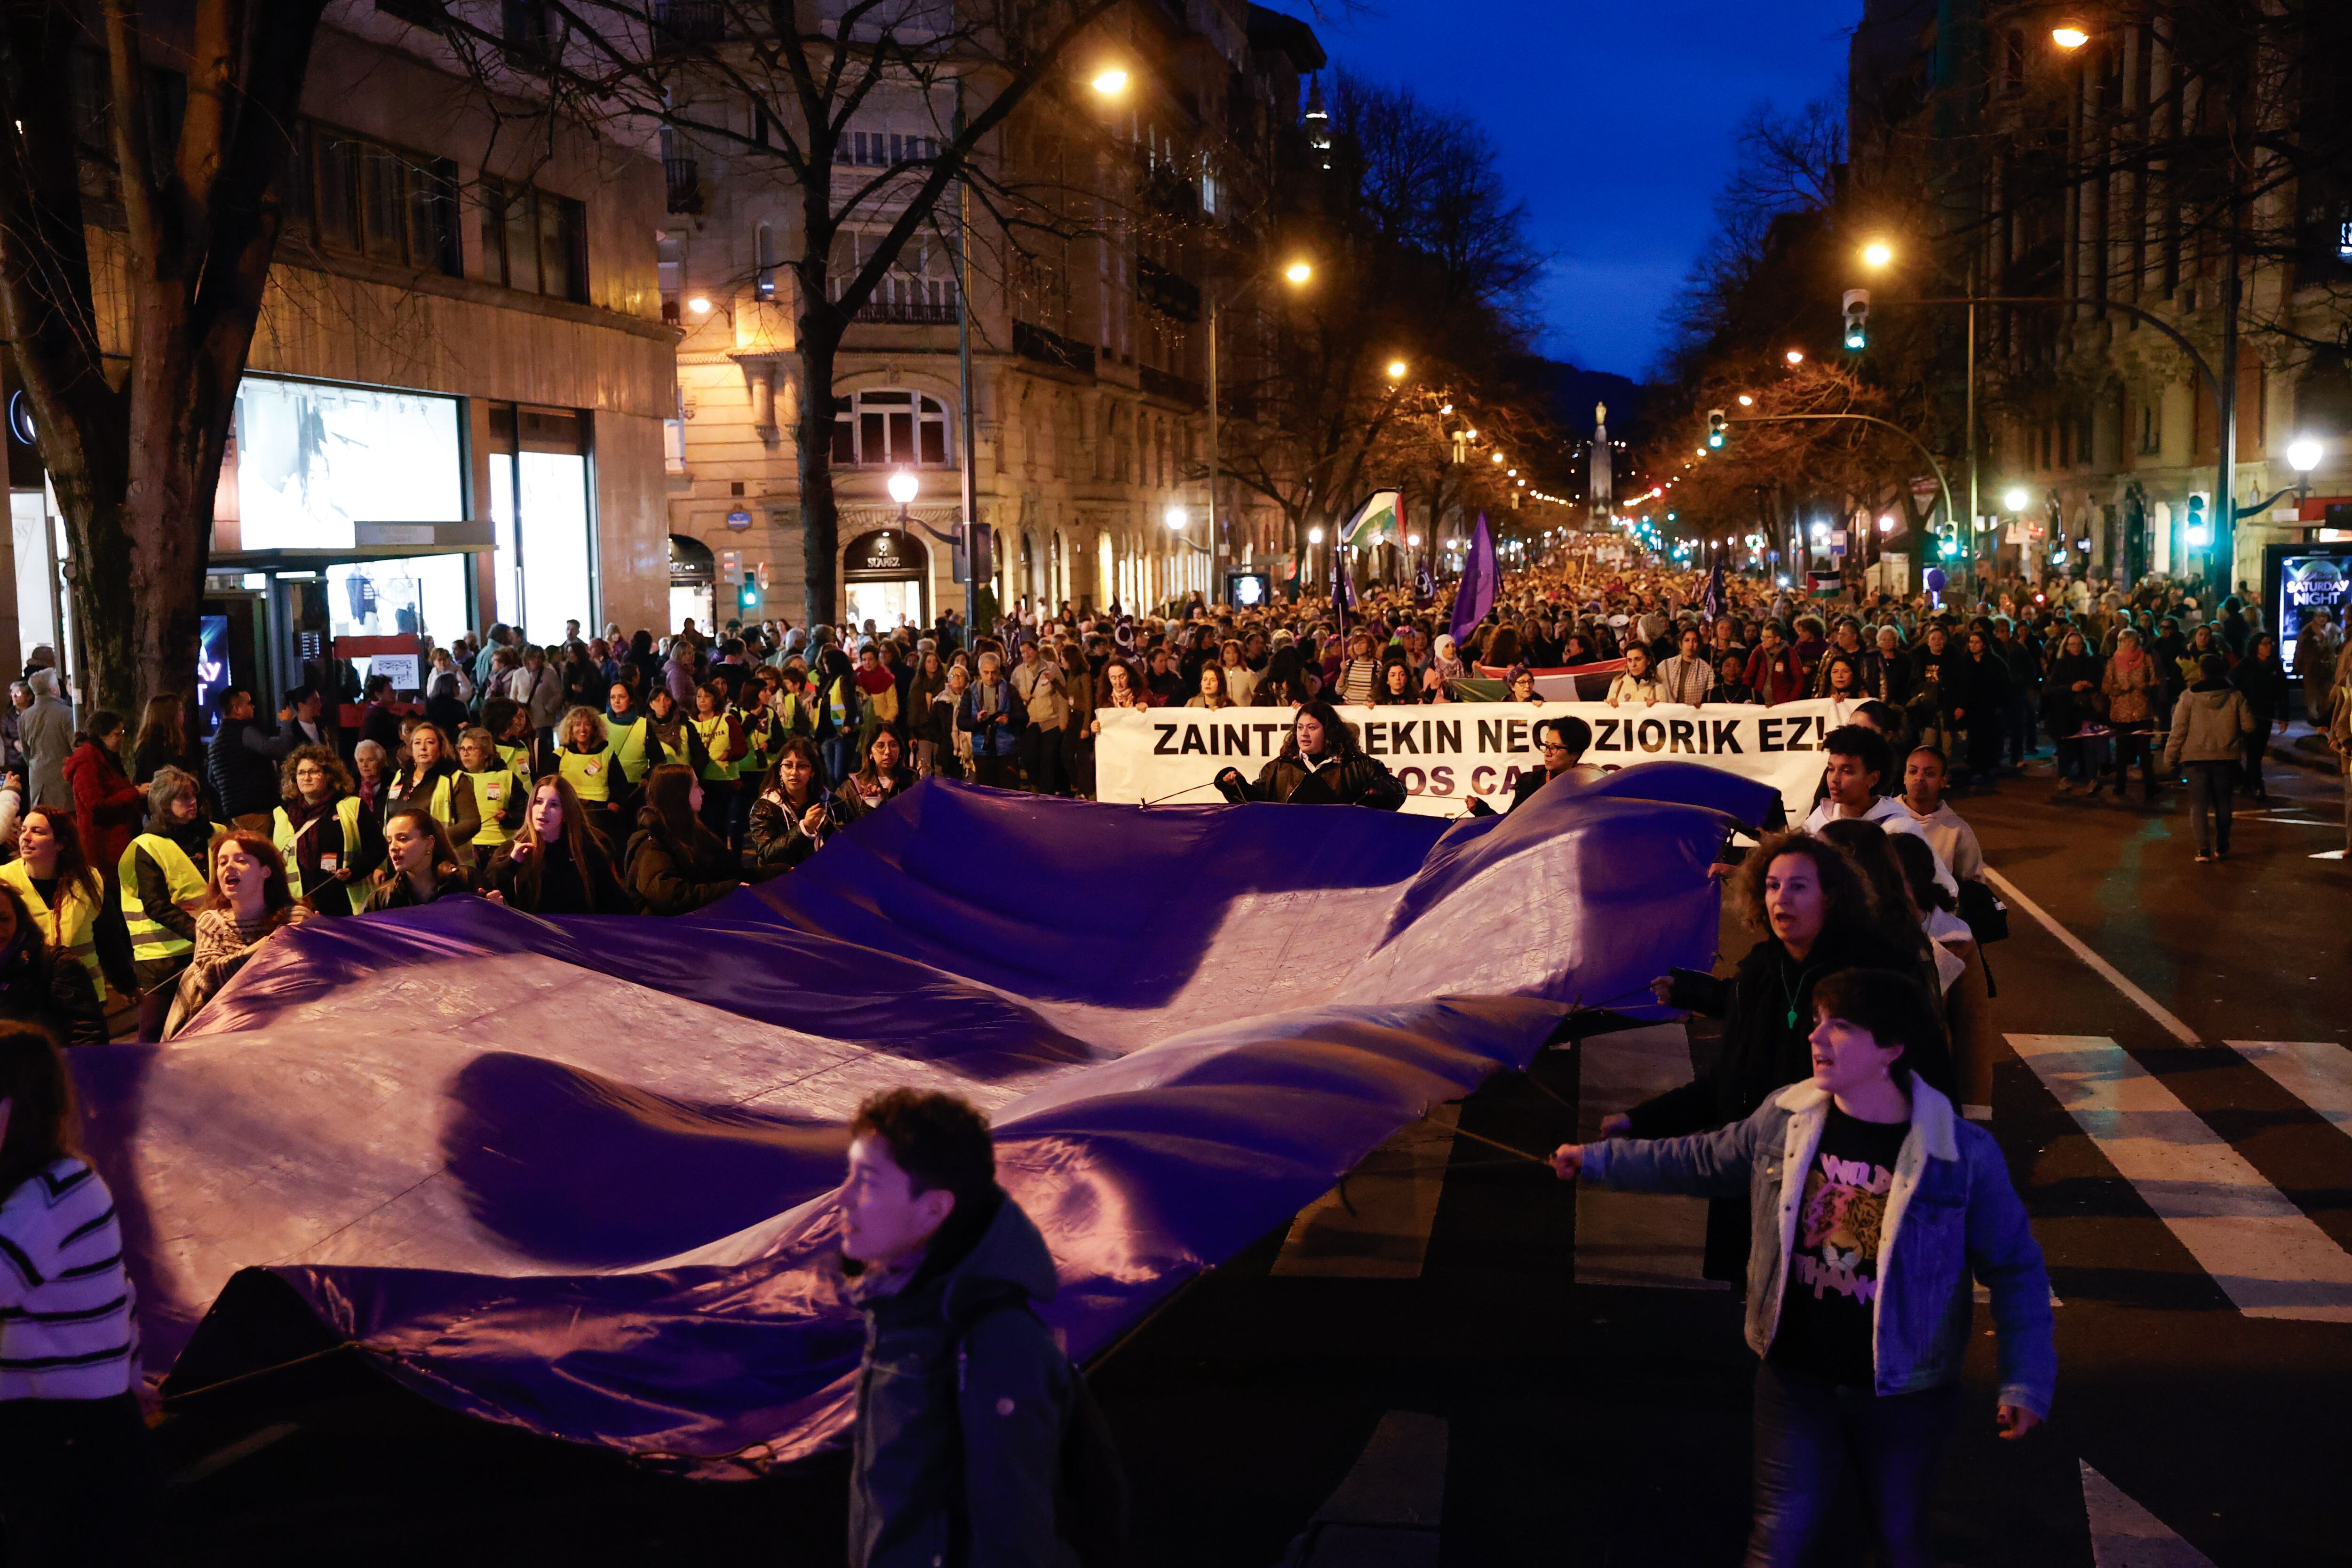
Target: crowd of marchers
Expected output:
[1840,1132]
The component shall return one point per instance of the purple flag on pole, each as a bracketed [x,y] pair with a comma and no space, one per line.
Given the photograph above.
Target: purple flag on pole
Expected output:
[1476,594]
[1712,602]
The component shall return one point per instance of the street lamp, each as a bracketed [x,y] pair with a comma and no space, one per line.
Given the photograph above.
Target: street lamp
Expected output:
[699,305]
[1315,536]
[1298,272]
[903,486]
[2070,35]
[1396,370]
[2304,454]
[1877,254]
[1110,81]
[1497,457]
[2016,499]
[1746,401]
[1795,356]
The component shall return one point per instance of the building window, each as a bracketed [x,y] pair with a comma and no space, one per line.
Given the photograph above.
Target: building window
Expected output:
[881,148]
[888,430]
[354,194]
[534,241]
[541,481]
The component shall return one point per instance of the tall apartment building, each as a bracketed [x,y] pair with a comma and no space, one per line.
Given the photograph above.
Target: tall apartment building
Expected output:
[1088,347]
[2118,167]
[453,413]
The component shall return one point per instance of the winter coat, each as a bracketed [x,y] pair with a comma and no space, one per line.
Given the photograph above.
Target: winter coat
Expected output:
[1951,1217]
[775,838]
[1357,780]
[2129,692]
[2210,724]
[242,763]
[107,808]
[45,731]
[962,1405]
[669,880]
[558,889]
[2064,709]
[2263,685]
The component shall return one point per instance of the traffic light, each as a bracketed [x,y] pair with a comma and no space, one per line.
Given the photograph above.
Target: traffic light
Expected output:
[1857,319]
[2201,523]
[1948,534]
[1716,432]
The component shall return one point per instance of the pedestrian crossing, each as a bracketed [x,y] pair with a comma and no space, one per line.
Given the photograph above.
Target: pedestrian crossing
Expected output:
[2269,1257]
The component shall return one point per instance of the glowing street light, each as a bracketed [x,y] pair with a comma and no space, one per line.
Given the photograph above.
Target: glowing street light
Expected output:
[1497,457]
[1298,272]
[2016,499]
[1795,356]
[1315,536]
[1111,82]
[699,305]
[1746,401]
[1877,254]
[1396,370]
[2070,35]
[903,486]
[2304,454]
[1175,517]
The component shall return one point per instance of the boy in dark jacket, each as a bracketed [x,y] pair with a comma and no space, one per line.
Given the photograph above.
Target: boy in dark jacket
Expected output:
[964,1394]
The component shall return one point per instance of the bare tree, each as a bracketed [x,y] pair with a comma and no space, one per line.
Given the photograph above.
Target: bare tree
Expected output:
[135,453]
[778,86]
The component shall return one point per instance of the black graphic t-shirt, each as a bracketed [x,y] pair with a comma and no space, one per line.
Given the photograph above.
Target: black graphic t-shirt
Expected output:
[1825,1314]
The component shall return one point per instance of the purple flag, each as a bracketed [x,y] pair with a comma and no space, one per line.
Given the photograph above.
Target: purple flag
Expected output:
[1712,601]
[1476,594]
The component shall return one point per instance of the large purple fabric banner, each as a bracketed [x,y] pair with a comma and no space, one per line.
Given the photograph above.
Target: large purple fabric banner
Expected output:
[577,1174]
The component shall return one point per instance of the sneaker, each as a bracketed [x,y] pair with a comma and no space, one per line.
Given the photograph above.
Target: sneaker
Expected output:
[2202,858]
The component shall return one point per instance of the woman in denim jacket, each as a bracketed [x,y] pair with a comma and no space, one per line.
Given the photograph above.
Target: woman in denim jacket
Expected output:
[1873,1204]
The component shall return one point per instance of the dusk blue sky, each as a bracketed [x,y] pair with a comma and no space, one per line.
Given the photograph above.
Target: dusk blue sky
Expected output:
[1615,123]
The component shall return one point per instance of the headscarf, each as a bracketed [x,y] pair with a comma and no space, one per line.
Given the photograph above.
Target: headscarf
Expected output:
[1448,663]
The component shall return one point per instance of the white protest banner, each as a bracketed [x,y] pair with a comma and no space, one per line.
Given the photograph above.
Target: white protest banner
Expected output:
[1445,752]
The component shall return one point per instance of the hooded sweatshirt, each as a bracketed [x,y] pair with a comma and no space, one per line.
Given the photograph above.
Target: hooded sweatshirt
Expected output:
[2210,724]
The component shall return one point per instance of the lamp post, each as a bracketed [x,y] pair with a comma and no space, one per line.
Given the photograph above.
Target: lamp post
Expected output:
[1298,274]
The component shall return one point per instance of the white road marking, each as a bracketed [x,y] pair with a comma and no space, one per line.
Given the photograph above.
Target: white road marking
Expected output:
[1655,1240]
[1389,1510]
[2316,1073]
[1375,1223]
[2080,949]
[2125,1535]
[2265,1253]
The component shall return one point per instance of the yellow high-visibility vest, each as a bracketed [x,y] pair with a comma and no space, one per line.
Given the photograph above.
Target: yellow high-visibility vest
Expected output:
[493,787]
[590,773]
[282,834]
[71,927]
[150,939]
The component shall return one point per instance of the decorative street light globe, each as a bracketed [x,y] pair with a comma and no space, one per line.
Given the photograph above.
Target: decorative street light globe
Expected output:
[2016,500]
[903,486]
[1877,253]
[1315,536]
[699,305]
[1298,272]
[2303,453]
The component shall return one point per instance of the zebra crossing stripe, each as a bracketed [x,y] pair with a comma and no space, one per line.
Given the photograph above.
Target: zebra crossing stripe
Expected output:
[2266,1254]
[2316,1073]
[2124,1534]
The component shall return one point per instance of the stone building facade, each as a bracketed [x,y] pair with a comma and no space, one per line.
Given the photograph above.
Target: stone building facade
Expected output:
[453,411]
[1088,352]
[2044,168]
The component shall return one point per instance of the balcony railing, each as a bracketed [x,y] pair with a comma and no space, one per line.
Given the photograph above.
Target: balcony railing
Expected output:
[685,180]
[1173,294]
[1168,385]
[907,313]
[1052,348]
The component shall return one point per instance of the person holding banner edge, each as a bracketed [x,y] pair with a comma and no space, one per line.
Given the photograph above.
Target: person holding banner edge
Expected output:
[1320,764]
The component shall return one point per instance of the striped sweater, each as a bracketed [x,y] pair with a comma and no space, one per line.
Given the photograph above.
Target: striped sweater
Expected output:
[66,1329]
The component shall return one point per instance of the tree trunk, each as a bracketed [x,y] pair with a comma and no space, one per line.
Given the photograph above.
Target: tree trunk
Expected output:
[819,343]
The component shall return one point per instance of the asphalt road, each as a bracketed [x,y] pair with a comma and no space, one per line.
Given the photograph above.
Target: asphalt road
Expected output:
[1426,1373]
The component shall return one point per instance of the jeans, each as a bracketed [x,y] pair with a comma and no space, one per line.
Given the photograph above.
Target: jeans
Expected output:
[1810,1433]
[2209,791]
[839,751]
[2254,746]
